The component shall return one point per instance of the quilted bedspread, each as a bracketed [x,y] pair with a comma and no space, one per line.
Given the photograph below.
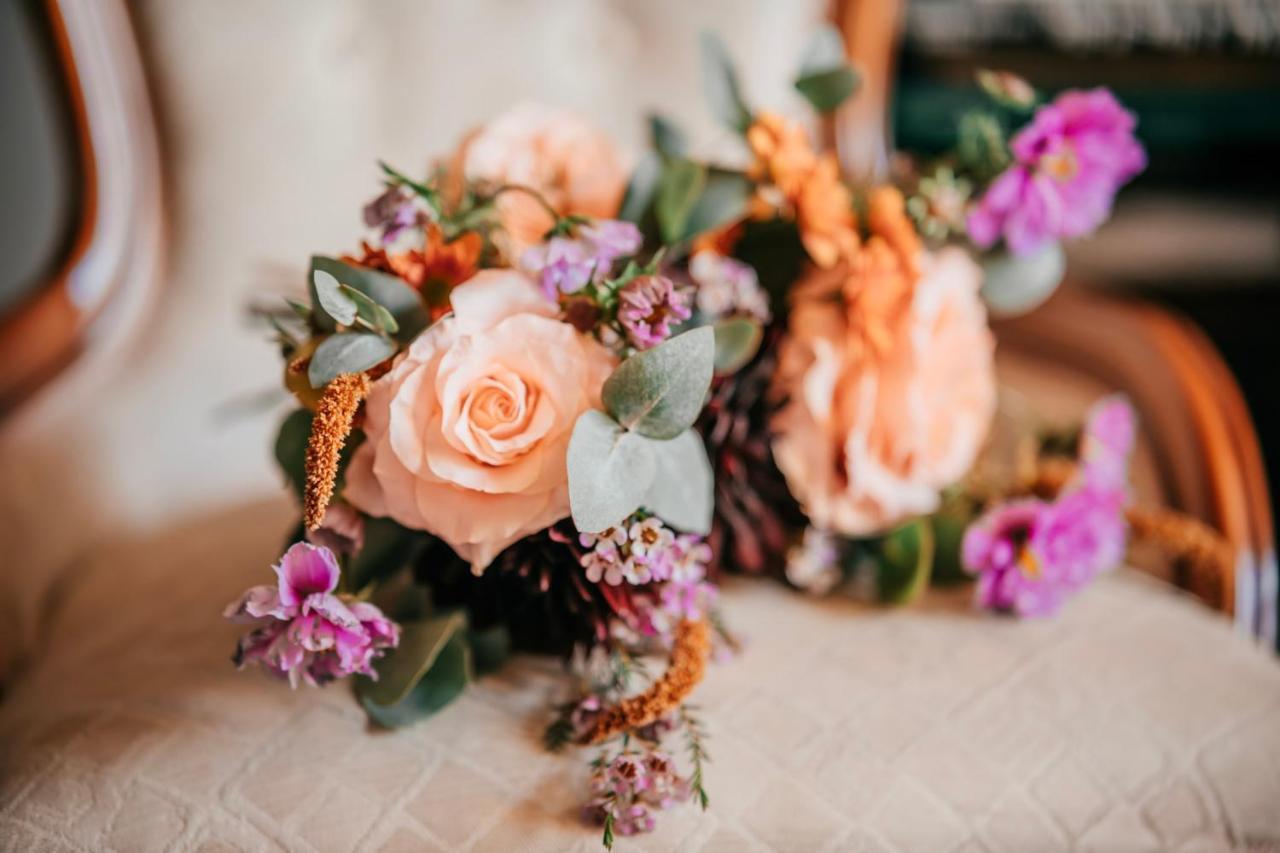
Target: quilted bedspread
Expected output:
[1137,720]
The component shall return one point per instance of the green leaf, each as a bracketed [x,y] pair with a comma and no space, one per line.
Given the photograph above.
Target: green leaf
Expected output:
[737,342]
[683,490]
[448,674]
[679,187]
[425,192]
[905,560]
[666,138]
[369,311]
[948,534]
[723,200]
[1015,284]
[641,189]
[490,648]
[291,448]
[388,547]
[828,89]
[301,309]
[610,471]
[338,305]
[720,81]
[347,352]
[392,293]
[981,146]
[659,392]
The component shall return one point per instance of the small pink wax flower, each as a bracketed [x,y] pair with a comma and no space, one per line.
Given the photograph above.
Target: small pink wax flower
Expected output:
[1068,164]
[648,306]
[306,632]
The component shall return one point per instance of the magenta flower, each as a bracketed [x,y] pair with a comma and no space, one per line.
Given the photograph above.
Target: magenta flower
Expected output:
[308,633]
[1068,164]
[648,306]
[1030,555]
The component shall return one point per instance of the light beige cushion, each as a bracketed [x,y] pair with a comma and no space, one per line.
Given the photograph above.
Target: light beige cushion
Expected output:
[1135,721]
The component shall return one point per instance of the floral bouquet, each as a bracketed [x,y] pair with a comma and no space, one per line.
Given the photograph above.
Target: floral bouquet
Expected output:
[550,399]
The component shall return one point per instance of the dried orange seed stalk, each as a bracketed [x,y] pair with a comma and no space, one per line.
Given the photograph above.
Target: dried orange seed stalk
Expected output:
[329,430]
[688,664]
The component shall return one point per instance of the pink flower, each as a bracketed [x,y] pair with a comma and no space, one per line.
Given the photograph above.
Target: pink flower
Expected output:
[467,435]
[567,264]
[631,786]
[1030,555]
[1107,441]
[1068,164]
[309,633]
[648,306]
[574,166]
[870,435]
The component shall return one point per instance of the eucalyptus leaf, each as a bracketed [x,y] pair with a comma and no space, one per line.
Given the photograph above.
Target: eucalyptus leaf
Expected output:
[683,490]
[905,562]
[659,392]
[371,312]
[1015,284]
[723,200]
[828,89]
[720,82]
[392,293]
[679,187]
[347,352]
[443,680]
[666,138]
[641,189]
[340,307]
[737,342]
[610,471]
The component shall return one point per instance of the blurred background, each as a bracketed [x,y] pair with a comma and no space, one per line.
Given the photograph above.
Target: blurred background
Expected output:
[161,163]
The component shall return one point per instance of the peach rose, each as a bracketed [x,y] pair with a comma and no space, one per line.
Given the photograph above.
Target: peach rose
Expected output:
[466,436]
[869,435]
[575,167]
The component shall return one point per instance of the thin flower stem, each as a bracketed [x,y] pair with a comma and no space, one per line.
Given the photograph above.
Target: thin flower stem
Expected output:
[531,192]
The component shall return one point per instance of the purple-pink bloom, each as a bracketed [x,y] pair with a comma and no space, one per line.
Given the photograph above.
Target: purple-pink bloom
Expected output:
[568,264]
[307,632]
[1069,163]
[647,308]
[561,265]
[392,211]
[1107,441]
[1030,555]
[610,239]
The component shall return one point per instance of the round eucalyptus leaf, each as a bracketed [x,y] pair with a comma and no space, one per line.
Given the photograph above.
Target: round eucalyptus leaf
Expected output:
[1015,284]
[348,352]
[610,471]
[659,392]
[683,490]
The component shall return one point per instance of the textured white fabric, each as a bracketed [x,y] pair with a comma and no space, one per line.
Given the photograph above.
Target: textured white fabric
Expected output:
[1135,721]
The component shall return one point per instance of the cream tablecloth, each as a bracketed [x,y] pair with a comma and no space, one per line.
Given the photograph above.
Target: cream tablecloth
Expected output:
[1135,721]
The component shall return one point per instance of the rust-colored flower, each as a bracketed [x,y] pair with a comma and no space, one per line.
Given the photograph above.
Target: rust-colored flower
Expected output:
[783,154]
[809,184]
[824,214]
[435,270]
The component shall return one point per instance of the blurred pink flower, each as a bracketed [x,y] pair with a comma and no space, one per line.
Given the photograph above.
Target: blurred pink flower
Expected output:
[1068,164]
[648,306]
[310,634]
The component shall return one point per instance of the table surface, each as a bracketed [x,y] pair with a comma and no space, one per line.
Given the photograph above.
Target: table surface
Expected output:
[1135,720]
